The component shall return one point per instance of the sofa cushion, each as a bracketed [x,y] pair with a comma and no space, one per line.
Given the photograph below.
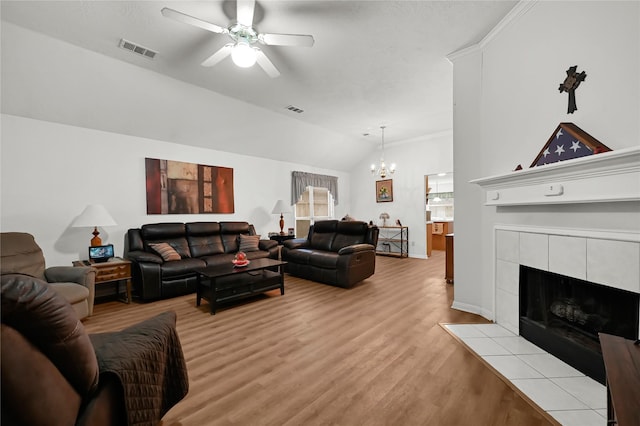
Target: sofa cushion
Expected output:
[230,232]
[181,268]
[73,292]
[249,243]
[167,252]
[348,234]
[202,228]
[259,254]
[160,231]
[234,228]
[204,238]
[300,256]
[178,244]
[205,245]
[172,233]
[230,243]
[218,259]
[322,234]
[324,259]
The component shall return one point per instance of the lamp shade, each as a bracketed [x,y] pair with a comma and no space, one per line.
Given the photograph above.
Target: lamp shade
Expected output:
[281,207]
[94,215]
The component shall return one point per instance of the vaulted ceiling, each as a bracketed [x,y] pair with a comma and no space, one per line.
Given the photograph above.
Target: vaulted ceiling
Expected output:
[373,62]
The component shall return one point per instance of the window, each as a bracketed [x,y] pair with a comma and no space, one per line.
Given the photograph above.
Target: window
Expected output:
[315,204]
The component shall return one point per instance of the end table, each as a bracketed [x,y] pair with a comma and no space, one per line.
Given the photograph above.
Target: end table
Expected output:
[111,271]
[281,238]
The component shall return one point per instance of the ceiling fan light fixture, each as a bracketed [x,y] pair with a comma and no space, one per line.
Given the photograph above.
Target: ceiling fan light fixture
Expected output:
[243,36]
[243,54]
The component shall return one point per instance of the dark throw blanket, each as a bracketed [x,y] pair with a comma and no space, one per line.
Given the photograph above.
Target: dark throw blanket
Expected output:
[148,360]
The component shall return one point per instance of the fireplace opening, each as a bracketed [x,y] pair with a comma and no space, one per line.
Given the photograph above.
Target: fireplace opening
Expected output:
[564,315]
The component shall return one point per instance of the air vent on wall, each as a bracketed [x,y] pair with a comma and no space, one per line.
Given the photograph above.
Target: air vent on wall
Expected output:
[135,48]
[295,109]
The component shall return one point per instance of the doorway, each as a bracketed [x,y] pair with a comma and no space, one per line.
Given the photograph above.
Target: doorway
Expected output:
[439,213]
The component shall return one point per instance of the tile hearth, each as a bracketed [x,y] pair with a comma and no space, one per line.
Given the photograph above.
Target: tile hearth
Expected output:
[563,392]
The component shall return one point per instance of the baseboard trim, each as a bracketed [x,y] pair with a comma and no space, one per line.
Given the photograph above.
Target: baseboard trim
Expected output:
[473,309]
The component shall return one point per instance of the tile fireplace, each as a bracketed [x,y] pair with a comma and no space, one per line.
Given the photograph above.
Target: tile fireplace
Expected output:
[564,315]
[583,192]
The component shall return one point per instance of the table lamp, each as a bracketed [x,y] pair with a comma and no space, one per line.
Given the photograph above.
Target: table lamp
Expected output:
[94,215]
[281,207]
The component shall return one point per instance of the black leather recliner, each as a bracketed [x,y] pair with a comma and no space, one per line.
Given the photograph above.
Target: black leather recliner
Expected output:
[340,253]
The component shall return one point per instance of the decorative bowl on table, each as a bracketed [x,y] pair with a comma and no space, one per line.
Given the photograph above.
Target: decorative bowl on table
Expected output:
[240,260]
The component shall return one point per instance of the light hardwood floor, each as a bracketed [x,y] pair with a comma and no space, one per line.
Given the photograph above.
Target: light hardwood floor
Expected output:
[321,355]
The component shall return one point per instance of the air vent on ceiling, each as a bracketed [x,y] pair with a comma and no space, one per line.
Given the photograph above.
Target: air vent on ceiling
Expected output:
[135,48]
[295,109]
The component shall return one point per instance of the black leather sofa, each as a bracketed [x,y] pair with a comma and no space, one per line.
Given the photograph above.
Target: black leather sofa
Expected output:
[198,244]
[340,253]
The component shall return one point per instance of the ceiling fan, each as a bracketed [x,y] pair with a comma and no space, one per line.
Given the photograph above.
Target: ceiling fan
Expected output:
[243,37]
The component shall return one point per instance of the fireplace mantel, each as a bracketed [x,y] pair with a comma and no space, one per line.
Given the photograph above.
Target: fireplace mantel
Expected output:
[607,177]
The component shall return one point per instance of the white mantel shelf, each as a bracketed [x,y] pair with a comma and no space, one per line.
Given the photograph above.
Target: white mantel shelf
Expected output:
[607,177]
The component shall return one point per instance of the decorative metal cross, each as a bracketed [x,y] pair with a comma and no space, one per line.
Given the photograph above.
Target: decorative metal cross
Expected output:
[570,84]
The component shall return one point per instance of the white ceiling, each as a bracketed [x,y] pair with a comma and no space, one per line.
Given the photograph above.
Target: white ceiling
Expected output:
[373,63]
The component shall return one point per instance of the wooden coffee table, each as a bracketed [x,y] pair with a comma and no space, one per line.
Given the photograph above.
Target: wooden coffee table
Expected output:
[224,283]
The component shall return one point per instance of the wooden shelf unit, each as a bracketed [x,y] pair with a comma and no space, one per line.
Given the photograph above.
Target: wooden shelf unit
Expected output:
[393,241]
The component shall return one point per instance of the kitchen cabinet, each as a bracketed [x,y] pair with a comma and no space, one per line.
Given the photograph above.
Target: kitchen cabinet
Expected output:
[439,231]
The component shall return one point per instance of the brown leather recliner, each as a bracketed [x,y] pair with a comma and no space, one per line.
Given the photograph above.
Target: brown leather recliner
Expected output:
[54,373]
[21,255]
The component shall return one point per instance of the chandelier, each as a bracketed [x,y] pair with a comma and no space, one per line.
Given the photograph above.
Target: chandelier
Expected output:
[381,170]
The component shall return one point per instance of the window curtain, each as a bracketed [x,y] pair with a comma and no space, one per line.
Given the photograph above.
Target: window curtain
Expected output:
[300,181]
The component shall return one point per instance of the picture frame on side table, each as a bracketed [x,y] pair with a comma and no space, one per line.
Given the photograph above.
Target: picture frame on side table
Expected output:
[384,191]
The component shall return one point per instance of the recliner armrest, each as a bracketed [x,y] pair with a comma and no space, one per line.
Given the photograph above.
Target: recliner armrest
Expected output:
[83,275]
[355,248]
[296,243]
[143,256]
[267,244]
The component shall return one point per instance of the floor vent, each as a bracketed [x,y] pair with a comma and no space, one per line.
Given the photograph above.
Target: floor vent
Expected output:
[135,48]
[295,109]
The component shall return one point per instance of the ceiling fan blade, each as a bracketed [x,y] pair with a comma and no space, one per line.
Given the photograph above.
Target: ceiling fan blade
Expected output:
[218,56]
[266,64]
[287,39]
[187,19]
[245,12]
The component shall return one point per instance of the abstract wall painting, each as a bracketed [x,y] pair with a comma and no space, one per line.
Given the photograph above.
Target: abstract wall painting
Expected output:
[176,187]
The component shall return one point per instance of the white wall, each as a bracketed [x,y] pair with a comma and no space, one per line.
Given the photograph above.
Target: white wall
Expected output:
[50,172]
[48,81]
[70,138]
[414,160]
[507,105]
[467,95]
